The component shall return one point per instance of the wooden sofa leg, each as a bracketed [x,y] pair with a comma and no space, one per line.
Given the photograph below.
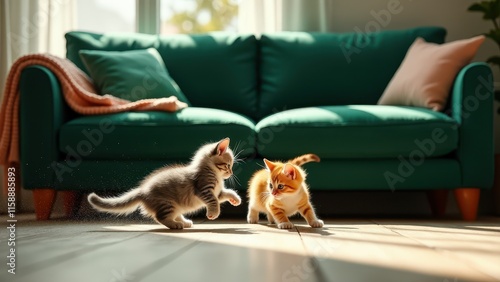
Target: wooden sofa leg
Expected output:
[468,201]
[438,200]
[72,201]
[43,201]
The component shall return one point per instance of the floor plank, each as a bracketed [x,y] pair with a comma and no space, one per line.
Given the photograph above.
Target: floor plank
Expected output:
[475,244]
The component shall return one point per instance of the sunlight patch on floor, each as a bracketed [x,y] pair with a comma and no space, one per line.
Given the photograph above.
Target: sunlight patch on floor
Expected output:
[368,244]
[241,235]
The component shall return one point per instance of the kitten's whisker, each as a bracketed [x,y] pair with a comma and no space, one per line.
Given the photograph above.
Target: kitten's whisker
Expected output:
[237,156]
[240,161]
[236,149]
[236,179]
[264,195]
[230,181]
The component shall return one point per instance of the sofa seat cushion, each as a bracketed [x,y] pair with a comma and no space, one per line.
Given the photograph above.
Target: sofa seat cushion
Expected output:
[357,131]
[153,135]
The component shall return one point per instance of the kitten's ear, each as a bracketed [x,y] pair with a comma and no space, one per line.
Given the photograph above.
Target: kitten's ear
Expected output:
[290,171]
[270,165]
[221,146]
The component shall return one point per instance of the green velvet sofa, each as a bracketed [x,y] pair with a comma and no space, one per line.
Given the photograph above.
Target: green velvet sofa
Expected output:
[276,96]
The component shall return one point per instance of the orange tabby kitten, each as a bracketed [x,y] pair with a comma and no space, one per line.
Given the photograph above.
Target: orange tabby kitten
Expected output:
[280,191]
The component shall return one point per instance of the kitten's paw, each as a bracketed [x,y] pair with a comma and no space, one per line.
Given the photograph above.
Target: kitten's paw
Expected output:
[318,223]
[270,219]
[175,225]
[187,223]
[213,214]
[252,215]
[235,201]
[252,220]
[285,225]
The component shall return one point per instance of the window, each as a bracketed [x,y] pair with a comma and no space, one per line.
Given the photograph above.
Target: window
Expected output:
[176,16]
[106,15]
[198,16]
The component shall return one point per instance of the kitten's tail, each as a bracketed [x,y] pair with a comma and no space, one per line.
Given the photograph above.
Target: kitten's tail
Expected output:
[307,158]
[124,204]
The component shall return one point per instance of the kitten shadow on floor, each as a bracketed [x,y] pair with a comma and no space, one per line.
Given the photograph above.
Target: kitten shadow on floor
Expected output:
[308,230]
[323,231]
[236,231]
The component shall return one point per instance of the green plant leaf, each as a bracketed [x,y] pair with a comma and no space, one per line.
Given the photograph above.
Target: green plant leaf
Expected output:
[494,35]
[497,98]
[495,60]
[476,7]
[490,9]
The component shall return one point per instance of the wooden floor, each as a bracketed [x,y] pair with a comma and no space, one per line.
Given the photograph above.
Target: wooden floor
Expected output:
[230,250]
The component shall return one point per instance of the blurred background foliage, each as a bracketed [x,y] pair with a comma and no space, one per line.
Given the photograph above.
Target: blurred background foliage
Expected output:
[200,16]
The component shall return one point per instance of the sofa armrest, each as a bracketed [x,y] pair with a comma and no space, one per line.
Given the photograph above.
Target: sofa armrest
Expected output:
[472,108]
[42,112]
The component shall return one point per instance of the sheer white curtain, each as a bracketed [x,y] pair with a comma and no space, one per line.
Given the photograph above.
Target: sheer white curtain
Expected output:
[33,26]
[259,16]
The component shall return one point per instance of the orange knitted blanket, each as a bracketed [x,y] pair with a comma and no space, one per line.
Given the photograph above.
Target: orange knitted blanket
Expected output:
[79,93]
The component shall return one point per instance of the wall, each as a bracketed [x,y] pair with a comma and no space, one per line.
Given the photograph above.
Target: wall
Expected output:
[345,16]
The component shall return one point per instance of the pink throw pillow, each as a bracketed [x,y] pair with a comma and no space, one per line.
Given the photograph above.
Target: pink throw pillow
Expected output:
[425,77]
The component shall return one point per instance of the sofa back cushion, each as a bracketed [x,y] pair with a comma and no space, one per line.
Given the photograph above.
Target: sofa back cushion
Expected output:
[216,70]
[299,69]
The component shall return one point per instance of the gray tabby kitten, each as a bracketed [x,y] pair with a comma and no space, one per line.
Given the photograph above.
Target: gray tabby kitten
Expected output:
[170,192]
